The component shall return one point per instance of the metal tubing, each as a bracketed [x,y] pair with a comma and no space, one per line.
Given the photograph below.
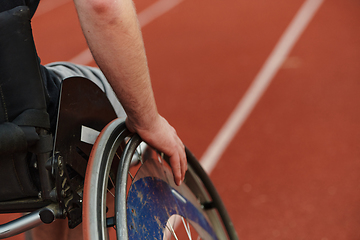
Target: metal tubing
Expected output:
[26,222]
[20,225]
[42,158]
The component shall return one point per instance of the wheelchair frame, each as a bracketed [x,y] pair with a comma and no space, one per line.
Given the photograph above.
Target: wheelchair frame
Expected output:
[69,151]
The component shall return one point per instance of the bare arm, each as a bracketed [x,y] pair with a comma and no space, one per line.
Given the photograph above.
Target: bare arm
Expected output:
[114,38]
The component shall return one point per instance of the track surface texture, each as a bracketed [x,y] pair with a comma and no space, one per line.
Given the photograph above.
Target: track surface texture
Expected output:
[288,165]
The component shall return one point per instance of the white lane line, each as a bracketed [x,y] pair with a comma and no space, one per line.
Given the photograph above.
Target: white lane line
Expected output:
[145,17]
[262,80]
[156,10]
[47,6]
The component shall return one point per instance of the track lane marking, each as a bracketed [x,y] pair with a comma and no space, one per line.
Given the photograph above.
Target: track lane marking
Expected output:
[156,10]
[145,17]
[262,80]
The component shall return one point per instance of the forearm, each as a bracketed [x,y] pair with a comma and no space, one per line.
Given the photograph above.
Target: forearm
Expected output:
[114,37]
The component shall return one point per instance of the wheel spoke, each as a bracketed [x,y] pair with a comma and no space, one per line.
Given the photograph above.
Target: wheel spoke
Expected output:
[117,155]
[187,228]
[131,176]
[171,229]
[111,193]
[112,182]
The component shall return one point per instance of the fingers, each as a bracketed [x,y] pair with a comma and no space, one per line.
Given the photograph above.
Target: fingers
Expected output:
[163,137]
[182,159]
[176,169]
[183,162]
[178,164]
[177,158]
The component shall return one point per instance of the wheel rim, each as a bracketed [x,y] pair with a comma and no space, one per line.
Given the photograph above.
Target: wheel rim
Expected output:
[155,175]
[96,180]
[206,224]
[154,196]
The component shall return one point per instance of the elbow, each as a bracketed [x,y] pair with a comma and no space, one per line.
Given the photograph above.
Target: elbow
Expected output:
[101,7]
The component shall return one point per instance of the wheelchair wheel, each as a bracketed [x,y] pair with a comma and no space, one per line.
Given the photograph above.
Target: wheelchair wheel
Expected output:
[99,191]
[148,204]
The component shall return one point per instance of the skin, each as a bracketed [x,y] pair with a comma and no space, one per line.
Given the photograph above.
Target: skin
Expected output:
[114,38]
[113,34]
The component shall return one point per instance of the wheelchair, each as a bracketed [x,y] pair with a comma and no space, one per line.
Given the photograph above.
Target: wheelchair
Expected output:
[91,169]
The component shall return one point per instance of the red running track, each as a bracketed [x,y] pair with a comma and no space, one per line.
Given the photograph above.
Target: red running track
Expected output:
[292,171]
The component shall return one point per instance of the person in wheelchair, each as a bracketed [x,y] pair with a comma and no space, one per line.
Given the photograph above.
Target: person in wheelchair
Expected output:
[114,38]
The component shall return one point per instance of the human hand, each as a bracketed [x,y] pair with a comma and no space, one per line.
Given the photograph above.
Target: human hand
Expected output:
[163,137]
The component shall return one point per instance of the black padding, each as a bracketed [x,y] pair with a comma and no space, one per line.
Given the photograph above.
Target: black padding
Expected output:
[31,117]
[21,86]
[12,139]
[15,179]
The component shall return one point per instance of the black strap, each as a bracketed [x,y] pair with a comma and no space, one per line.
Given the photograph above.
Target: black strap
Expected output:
[6,5]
